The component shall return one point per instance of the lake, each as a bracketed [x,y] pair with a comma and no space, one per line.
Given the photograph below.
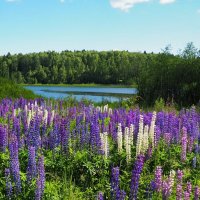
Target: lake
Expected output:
[96,94]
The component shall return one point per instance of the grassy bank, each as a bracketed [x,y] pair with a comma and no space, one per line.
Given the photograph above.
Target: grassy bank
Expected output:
[8,89]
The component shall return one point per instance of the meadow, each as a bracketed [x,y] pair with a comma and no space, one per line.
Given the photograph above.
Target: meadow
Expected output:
[50,150]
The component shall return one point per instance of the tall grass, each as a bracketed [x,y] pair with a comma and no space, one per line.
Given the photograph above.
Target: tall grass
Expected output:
[9,89]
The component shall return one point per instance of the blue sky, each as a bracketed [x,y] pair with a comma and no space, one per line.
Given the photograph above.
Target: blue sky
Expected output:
[133,25]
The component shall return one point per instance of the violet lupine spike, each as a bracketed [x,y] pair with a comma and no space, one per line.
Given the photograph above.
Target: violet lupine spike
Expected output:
[189,188]
[158,178]
[190,144]
[166,190]
[179,176]
[121,195]
[16,129]
[115,182]
[3,138]
[157,135]
[196,193]
[40,183]
[186,195]
[167,138]
[31,169]
[100,196]
[14,162]
[63,135]
[8,183]
[137,170]
[179,192]
[38,195]
[184,144]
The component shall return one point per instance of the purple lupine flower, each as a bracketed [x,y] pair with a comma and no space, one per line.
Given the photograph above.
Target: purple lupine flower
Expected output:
[189,187]
[41,172]
[166,189]
[16,129]
[184,144]
[64,134]
[100,196]
[95,140]
[14,162]
[31,169]
[121,195]
[158,178]
[115,182]
[191,143]
[137,170]
[179,176]
[3,138]
[167,138]
[196,193]
[8,183]
[38,193]
[157,134]
[186,195]
[179,192]
[40,184]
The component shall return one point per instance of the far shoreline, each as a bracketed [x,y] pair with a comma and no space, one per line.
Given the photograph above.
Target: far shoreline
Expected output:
[84,85]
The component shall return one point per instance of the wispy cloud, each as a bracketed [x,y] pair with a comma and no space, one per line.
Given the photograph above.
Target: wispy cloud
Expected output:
[11,1]
[198,11]
[62,1]
[125,5]
[167,1]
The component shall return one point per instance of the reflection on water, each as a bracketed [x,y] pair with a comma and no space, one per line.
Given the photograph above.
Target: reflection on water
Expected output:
[96,94]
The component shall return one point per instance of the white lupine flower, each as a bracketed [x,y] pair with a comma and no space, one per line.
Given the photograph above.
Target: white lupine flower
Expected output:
[29,118]
[52,116]
[45,116]
[172,176]
[119,138]
[14,112]
[26,109]
[145,141]
[101,109]
[131,133]
[98,108]
[35,103]
[152,129]
[106,147]
[104,143]
[127,143]
[18,111]
[110,111]
[139,136]
[105,108]
[32,110]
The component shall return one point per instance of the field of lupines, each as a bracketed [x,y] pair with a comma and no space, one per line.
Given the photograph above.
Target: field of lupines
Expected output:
[51,151]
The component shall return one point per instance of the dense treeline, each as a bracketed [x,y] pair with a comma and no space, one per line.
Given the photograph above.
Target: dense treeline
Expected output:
[163,75]
[72,67]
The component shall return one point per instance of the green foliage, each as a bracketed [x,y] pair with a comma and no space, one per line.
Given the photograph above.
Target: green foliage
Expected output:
[8,89]
[159,104]
[173,78]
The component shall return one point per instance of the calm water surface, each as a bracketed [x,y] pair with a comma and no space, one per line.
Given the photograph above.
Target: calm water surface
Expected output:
[96,94]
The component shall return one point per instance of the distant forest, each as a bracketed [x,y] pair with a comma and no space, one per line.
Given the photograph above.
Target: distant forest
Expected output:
[163,75]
